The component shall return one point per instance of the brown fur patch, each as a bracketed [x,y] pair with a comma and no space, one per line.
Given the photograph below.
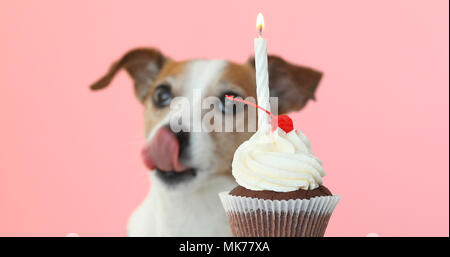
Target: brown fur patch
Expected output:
[243,76]
[154,115]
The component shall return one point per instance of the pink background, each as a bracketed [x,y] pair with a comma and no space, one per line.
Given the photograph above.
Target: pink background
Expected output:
[69,158]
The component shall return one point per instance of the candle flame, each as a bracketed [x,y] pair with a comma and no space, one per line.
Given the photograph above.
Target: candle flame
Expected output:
[260,23]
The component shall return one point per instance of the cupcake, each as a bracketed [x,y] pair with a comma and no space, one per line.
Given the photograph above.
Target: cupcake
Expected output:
[280,191]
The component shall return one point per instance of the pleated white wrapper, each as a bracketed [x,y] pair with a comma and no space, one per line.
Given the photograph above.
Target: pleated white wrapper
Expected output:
[253,217]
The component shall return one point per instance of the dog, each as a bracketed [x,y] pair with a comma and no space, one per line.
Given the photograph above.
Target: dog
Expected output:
[189,169]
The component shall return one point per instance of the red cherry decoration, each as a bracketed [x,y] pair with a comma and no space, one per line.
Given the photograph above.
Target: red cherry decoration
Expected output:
[283,122]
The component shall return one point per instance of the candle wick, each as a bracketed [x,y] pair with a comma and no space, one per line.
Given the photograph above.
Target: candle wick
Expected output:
[260,31]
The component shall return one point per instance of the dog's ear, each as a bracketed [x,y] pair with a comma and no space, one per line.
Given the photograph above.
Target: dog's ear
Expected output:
[142,64]
[293,85]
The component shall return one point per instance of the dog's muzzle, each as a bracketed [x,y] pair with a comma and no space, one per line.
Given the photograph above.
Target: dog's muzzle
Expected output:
[164,154]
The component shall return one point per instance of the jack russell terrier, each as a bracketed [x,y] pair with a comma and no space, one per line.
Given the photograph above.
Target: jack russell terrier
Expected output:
[189,169]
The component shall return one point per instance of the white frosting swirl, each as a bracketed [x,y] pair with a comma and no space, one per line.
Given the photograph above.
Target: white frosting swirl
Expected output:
[280,162]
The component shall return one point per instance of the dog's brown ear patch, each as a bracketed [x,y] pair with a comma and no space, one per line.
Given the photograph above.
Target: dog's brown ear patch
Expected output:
[294,85]
[142,64]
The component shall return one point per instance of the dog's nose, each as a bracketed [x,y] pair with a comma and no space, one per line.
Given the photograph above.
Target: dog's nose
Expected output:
[183,142]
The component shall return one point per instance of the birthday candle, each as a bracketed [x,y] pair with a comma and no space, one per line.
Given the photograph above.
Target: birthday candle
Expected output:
[262,74]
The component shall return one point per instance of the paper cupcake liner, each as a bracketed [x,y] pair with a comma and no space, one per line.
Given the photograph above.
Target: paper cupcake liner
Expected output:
[253,217]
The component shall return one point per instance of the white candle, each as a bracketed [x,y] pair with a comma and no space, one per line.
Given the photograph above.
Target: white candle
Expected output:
[262,74]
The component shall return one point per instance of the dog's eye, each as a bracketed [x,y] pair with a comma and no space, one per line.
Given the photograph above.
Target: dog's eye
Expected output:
[229,106]
[162,96]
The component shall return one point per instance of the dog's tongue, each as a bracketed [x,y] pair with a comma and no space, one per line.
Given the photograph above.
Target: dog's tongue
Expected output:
[162,152]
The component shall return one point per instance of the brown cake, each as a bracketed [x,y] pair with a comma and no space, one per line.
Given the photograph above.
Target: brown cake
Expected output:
[272,195]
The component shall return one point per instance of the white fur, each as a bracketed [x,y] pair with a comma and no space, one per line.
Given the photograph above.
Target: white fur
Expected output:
[166,212]
[192,208]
